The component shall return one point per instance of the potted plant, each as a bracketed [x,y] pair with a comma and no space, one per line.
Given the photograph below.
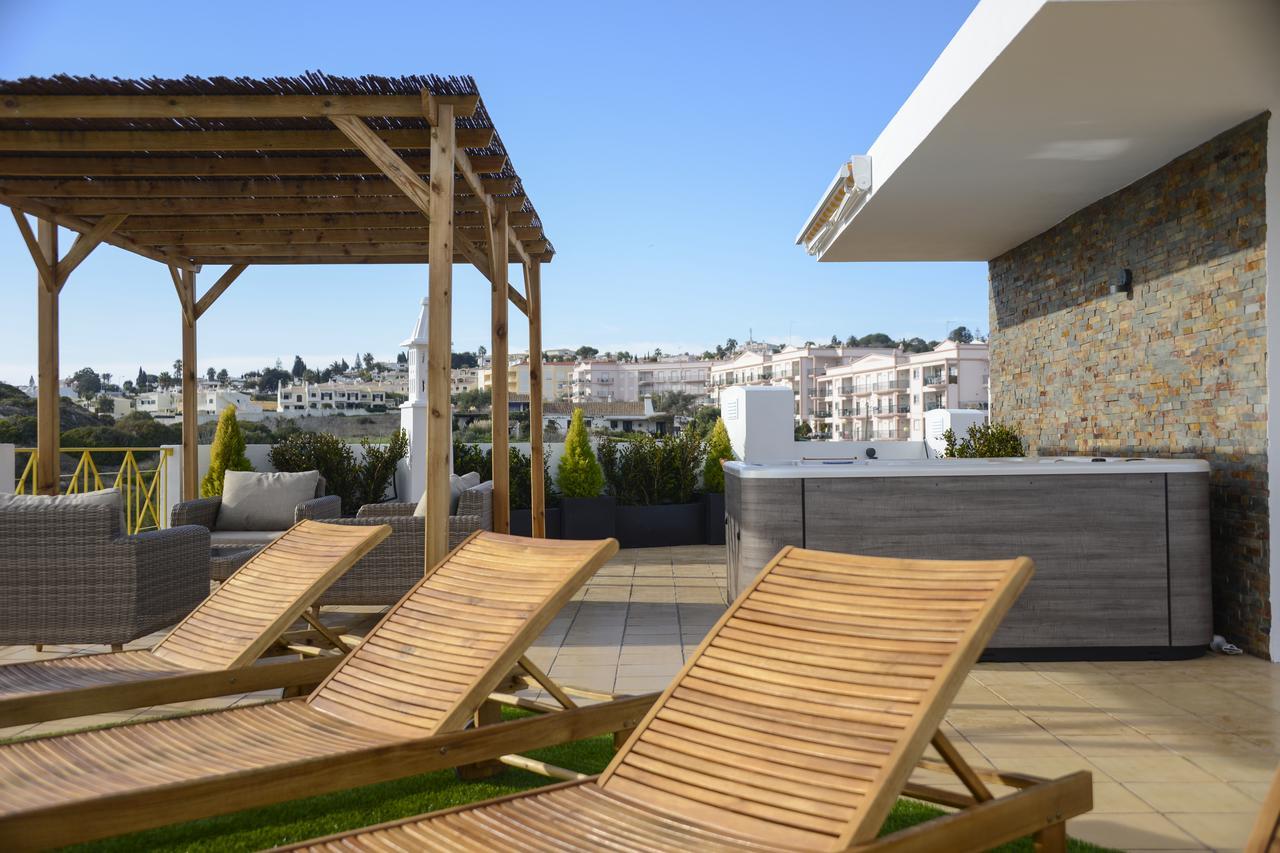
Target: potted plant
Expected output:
[719,450]
[655,482]
[520,467]
[586,513]
[226,454]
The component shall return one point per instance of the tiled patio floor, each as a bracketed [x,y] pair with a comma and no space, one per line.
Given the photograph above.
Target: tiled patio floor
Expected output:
[1181,752]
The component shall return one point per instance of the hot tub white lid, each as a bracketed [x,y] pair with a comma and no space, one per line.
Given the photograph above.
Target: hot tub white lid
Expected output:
[1030,465]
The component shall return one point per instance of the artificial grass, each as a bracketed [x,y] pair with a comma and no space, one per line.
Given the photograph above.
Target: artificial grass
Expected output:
[298,820]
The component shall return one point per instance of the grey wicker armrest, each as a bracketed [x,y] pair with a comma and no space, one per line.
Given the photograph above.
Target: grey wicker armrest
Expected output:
[386,510]
[477,502]
[319,508]
[203,512]
[462,526]
[172,569]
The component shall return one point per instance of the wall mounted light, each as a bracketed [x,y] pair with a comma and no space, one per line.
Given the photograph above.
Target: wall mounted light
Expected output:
[1122,282]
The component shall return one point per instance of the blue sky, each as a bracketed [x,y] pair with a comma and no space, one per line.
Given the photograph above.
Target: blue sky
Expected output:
[672,149]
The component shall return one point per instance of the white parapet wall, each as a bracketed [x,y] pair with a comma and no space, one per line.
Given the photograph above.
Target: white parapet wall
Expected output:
[8,469]
[761,424]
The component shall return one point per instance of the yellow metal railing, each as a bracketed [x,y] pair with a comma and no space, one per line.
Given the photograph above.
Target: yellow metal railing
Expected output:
[145,489]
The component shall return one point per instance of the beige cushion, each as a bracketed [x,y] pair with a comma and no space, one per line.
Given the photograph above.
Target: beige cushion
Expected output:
[244,537]
[253,501]
[456,488]
[102,497]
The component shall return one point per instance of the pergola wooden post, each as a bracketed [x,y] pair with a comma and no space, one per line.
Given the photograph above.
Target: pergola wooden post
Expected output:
[499,360]
[51,276]
[48,418]
[322,171]
[439,334]
[184,281]
[537,497]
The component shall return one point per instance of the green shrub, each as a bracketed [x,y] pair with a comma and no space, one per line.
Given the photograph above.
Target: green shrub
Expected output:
[469,457]
[378,468]
[226,454]
[579,473]
[521,473]
[328,454]
[984,441]
[719,449]
[645,471]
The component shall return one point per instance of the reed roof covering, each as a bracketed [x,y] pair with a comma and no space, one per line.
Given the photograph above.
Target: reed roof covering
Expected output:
[240,170]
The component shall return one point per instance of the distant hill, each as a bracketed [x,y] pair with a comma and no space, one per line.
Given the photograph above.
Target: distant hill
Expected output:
[20,410]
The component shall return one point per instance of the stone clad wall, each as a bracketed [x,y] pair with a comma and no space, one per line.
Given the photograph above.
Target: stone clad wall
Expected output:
[1177,370]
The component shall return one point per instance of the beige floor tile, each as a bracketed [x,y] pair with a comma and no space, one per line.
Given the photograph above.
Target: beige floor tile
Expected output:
[1256,791]
[1132,831]
[1215,831]
[1052,767]
[1151,768]
[1217,797]
[1113,797]
[1123,743]
[1237,768]
[996,748]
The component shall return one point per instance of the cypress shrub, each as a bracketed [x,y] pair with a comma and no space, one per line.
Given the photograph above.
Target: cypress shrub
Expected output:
[719,449]
[579,474]
[227,454]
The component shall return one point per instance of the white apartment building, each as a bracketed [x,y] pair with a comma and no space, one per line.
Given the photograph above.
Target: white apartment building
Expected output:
[210,403]
[464,379]
[557,379]
[631,381]
[321,397]
[798,367]
[884,397]
[603,381]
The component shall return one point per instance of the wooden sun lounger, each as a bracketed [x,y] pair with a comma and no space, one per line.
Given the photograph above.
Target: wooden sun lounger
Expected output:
[391,708]
[794,726]
[211,651]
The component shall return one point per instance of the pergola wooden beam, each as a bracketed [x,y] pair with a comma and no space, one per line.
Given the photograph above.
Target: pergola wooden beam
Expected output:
[219,287]
[312,237]
[86,243]
[221,106]
[215,167]
[180,188]
[232,206]
[309,222]
[84,226]
[45,270]
[44,141]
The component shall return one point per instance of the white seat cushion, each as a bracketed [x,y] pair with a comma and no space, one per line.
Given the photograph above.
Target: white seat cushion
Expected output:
[218,538]
[457,485]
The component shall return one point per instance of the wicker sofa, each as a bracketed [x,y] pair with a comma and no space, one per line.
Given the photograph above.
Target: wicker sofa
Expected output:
[386,573]
[68,574]
[204,512]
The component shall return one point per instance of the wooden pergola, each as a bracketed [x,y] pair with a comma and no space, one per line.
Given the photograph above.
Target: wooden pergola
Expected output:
[307,170]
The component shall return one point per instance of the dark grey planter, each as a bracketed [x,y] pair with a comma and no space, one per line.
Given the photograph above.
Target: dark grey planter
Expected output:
[713,503]
[588,518]
[661,525]
[522,522]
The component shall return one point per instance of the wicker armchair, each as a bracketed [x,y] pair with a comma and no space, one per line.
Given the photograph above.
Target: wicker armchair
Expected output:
[387,572]
[204,512]
[68,575]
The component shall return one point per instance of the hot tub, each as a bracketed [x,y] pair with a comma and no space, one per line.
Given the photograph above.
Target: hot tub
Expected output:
[1121,546]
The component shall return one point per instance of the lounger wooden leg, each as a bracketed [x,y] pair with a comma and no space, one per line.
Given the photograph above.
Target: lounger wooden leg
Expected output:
[546,683]
[117,647]
[39,647]
[1052,839]
[487,714]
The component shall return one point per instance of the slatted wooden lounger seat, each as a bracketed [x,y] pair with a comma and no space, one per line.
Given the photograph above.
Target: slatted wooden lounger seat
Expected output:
[212,650]
[380,714]
[794,726]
